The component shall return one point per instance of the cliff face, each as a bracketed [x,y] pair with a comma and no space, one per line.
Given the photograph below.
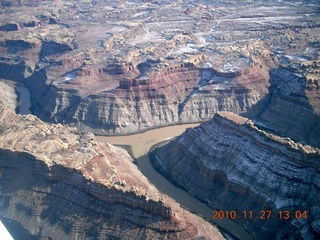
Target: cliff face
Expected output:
[174,95]
[292,107]
[147,69]
[9,97]
[236,166]
[57,183]
[121,97]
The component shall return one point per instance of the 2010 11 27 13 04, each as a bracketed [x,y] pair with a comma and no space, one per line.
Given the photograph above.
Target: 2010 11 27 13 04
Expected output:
[263,214]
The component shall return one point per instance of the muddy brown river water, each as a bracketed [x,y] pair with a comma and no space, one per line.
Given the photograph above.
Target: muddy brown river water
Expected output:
[23,96]
[141,144]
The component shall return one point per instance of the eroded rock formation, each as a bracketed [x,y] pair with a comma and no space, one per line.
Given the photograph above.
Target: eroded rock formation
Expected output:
[177,94]
[236,166]
[57,183]
[9,97]
[124,67]
[292,107]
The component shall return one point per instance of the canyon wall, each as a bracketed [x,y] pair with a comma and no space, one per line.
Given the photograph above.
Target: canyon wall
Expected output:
[155,64]
[118,79]
[181,94]
[58,183]
[230,164]
[291,108]
[121,98]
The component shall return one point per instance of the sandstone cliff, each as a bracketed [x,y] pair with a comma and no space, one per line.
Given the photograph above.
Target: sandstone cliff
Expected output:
[236,166]
[57,183]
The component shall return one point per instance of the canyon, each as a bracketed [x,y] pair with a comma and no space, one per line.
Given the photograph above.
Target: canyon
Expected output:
[147,64]
[232,165]
[248,71]
[56,182]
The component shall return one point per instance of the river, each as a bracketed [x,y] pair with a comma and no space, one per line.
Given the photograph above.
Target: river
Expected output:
[23,96]
[141,144]
[24,99]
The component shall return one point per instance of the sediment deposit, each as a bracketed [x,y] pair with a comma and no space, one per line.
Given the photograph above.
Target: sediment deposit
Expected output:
[231,164]
[58,183]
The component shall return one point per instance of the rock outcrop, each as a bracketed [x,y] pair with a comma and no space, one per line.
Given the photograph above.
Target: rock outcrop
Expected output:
[57,183]
[236,166]
[9,96]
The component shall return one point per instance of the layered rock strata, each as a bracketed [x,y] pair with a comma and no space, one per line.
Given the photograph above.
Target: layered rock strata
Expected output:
[59,184]
[175,95]
[232,165]
[291,108]
[123,67]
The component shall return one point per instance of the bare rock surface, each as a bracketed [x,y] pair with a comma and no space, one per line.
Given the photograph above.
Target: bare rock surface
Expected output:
[292,107]
[126,66]
[236,166]
[58,183]
[9,96]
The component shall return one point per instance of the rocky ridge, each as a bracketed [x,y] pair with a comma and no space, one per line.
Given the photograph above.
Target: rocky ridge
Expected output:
[58,183]
[236,166]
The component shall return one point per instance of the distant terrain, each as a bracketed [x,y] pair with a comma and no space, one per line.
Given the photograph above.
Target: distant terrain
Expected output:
[119,67]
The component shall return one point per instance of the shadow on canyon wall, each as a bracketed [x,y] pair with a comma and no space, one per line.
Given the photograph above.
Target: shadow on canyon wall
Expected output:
[286,110]
[16,230]
[59,202]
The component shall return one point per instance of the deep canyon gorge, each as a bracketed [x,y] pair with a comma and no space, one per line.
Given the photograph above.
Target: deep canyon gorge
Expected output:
[58,183]
[246,71]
